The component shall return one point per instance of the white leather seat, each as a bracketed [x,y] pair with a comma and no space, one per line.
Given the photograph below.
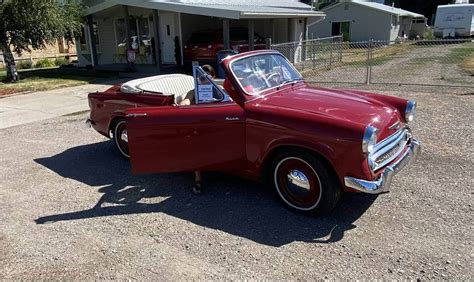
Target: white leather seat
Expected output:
[169,84]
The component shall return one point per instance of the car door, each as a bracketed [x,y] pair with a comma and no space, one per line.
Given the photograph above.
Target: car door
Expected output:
[196,137]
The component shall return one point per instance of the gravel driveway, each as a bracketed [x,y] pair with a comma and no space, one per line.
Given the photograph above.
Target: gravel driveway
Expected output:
[70,209]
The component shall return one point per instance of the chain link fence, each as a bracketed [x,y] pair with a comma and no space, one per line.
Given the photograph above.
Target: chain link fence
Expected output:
[421,62]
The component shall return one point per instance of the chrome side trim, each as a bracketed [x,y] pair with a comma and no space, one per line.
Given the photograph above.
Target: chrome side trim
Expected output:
[382,184]
[136,115]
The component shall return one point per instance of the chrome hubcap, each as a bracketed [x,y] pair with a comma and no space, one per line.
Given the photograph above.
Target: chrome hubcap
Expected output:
[297,180]
[124,136]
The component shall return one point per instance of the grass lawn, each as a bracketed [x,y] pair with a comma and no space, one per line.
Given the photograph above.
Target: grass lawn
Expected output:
[52,78]
[462,55]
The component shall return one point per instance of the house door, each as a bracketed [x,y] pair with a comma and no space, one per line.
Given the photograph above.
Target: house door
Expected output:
[167,35]
[342,28]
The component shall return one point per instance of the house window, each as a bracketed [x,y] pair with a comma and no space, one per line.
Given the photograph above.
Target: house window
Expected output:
[418,20]
[139,40]
[84,46]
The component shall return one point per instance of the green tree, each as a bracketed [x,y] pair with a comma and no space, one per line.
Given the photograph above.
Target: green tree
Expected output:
[33,24]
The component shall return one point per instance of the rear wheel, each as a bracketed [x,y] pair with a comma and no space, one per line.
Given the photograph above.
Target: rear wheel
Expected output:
[120,137]
[304,183]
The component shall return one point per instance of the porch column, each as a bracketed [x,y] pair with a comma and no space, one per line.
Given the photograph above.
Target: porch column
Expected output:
[92,43]
[225,35]
[290,32]
[156,41]
[305,29]
[272,24]
[251,34]
[127,26]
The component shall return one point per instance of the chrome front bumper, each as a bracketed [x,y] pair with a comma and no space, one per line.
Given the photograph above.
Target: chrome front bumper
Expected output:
[382,184]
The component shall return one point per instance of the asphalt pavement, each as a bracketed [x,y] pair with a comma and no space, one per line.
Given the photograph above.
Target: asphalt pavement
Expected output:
[37,106]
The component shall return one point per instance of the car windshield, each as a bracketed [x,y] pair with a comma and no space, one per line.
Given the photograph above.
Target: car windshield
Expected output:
[260,72]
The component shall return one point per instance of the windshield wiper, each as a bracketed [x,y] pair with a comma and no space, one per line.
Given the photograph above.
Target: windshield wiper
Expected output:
[289,81]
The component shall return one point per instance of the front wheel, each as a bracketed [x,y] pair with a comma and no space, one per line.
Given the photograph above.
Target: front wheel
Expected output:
[120,137]
[304,183]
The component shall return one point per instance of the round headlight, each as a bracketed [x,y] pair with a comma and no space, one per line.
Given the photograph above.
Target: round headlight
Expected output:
[369,140]
[410,111]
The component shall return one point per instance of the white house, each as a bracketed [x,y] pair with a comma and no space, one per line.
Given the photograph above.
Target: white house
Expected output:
[358,20]
[169,23]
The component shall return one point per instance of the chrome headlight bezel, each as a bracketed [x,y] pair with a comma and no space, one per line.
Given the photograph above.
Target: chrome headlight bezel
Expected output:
[410,111]
[369,140]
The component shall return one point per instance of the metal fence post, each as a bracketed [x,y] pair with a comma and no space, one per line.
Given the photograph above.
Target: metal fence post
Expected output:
[340,42]
[293,53]
[369,66]
[330,52]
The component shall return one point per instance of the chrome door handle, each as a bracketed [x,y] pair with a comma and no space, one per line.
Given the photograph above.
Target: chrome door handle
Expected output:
[136,115]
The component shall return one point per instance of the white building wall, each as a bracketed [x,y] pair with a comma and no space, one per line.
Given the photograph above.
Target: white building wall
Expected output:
[281,31]
[366,23]
[107,42]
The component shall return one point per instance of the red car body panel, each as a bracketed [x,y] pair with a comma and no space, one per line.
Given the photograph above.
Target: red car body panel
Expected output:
[105,106]
[238,137]
[187,138]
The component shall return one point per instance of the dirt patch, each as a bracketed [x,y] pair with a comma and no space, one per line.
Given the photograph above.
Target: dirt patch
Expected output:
[6,92]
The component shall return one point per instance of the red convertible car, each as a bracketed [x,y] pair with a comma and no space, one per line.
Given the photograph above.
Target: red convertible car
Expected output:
[263,122]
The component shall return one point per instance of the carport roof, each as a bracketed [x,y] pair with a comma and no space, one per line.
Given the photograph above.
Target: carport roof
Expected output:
[238,9]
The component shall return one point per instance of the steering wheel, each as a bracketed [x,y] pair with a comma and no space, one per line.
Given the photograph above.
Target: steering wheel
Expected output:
[272,80]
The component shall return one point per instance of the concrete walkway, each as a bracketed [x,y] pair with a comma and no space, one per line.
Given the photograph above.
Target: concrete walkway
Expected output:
[32,107]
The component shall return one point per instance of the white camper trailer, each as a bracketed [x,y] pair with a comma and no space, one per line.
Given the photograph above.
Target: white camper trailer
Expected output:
[454,20]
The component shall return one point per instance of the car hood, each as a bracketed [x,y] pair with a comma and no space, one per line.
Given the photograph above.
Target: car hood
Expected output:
[351,106]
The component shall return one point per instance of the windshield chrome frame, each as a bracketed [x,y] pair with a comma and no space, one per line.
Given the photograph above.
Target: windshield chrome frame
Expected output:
[258,93]
[196,69]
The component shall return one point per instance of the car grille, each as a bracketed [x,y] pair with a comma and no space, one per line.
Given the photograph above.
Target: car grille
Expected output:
[388,149]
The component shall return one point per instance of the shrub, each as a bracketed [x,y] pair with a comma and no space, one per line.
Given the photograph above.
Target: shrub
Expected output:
[428,34]
[24,64]
[44,63]
[61,61]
